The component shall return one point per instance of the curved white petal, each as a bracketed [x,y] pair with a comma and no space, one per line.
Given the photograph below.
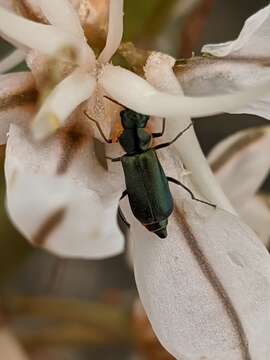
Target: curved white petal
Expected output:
[115,30]
[17,101]
[206,287]
[11,60]
[159,73]
[241,164]
[256,213]
[62,14]
[60,198]
[62,101]
[69,215]
[135,93]
[253,41]
[208,76]
[48,39]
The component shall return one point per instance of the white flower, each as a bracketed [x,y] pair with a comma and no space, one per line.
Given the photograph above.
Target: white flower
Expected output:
[206,287]
[233,66]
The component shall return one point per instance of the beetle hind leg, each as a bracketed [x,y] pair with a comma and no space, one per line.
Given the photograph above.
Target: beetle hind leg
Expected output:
[122,216]
[177,182]
[120,212]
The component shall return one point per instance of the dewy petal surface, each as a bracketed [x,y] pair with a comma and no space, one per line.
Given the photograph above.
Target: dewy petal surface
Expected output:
[11,60]
[18,97]
[48,39]
[57,195]
[253,40]
[63,100]
[62,14]
[206,287]
[115,30]
[142,97]
[241,164]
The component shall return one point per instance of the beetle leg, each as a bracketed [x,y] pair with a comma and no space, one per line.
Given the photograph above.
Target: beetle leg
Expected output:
[114,101]
[120,212]
[177,182]
[163,145]
[122,217]
[113,159]
[109,141]
[159,134]
[123,194]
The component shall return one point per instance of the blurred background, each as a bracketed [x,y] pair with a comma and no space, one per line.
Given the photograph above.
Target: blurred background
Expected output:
[72,309]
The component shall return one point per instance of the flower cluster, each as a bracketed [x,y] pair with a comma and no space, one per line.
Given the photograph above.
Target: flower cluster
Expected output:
[206,288]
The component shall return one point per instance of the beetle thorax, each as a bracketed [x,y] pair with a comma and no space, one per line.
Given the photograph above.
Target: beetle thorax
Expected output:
[134,138]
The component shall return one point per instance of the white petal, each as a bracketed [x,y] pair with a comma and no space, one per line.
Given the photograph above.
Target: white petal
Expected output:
[253,40]
[16,44]
[60,198]
[115,30]
[241,70]
[206,287]
[48,39]
[62,14]
[8,4]
[62,101]
[68,215]
[17,101]
[12,60]
[208,76]
[135,93]
[241,164]
[10,349]
[158,72]
[256,213]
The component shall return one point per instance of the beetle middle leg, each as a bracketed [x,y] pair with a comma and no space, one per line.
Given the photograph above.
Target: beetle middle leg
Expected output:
[177,182]
[163,145]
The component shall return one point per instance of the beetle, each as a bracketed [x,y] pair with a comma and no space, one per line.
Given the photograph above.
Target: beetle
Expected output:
[147,186]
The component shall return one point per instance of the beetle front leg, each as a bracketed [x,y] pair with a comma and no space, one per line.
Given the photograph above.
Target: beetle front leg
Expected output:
[163,145]
[159,134]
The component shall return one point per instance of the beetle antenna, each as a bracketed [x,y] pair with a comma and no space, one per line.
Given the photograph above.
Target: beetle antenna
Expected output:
[114,101]
[109,141]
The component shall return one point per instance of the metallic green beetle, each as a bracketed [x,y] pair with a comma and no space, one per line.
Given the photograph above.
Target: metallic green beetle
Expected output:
[147,185]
